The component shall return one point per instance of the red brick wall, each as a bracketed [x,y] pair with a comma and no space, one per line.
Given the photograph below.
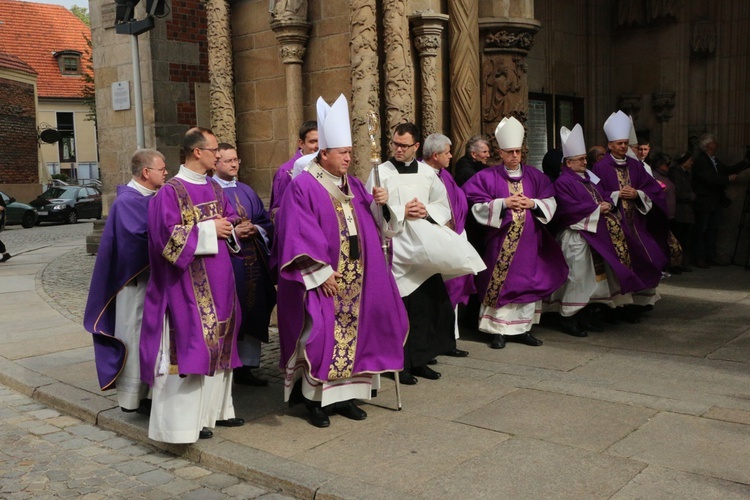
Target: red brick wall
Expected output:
[188,24]
[18,148]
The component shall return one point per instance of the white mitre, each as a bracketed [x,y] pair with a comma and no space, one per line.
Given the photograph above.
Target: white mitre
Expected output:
[572,141]
[509,133]
[334,126]
[302,163]
[617,127]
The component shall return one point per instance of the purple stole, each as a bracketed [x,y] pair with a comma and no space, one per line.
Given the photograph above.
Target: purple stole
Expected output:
[646,234]
[196,291]
[459,289]
[363,328]
[255,286]
[524,262]
[577,198]
[281,180]
[122,257]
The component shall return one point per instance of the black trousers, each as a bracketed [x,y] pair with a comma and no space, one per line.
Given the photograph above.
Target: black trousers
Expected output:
[431,320]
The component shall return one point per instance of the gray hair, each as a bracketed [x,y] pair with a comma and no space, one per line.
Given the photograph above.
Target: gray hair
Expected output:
[473,145]
[705,140]
[435,143]
[143,158]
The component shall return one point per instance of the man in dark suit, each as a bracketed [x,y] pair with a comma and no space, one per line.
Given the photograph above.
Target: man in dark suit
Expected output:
[710,180]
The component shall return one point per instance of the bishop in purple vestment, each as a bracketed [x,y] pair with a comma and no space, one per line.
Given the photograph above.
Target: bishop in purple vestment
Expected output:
[118,284]
[524,262]
[341,319]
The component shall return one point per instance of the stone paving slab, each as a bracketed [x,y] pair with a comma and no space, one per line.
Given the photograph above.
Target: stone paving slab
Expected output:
[691,444]
[659,483]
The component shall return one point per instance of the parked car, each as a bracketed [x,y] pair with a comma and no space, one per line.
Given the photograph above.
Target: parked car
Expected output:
[68,204]
[18,213]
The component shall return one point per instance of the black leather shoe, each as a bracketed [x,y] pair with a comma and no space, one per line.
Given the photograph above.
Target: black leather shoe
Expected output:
[244,376]
[205,433]
[425,372]
[613,316]
[318,417]
[432,362]
[498,342]
[351,411]
[407,378]
[144,408]
[456,353]
[231,422]
[526,339]
[295,397]
[6,257]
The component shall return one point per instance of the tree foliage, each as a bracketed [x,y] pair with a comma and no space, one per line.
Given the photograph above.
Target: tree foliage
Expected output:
[81,13]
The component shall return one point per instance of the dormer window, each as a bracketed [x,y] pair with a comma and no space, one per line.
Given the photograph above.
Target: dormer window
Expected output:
[69,62]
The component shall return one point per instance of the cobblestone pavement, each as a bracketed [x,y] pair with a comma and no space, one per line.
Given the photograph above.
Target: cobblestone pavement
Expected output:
[20,240]
[44,454]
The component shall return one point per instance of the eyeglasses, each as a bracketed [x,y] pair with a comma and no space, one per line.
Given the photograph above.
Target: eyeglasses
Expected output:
[213,150]
[512,152]
[398,145]
[231,160]
[160,170]
[576,160]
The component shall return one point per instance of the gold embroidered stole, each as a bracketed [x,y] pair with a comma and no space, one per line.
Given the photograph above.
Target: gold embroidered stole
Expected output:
[508,249]
[614,228]
[216,334]
[347,302]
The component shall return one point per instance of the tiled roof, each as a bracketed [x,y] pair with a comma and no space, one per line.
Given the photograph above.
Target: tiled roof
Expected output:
[34,32]
[9,61]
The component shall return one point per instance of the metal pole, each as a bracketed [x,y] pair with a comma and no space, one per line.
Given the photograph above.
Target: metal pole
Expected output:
[140,135]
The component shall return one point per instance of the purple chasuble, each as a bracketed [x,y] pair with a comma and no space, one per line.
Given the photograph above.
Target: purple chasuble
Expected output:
[255,288]
[531,265]
[646,234]
[281,180]
[459,289]
[196,291]
[363,328]
[122,257]
[577,198]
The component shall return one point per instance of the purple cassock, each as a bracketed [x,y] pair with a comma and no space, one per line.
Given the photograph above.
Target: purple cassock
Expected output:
[363,328]
[646,234]
[255,287]
[459,289]
[577,198]
[281,180]
[122,257]
[524,261]
[196,291]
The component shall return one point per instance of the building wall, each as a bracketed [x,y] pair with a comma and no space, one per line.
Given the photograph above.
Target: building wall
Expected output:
[84,129]
[19,173]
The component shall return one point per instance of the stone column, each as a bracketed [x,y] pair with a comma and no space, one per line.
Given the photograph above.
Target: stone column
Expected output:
[220,71]
[291,29]
[363,49]
[398,88]
[466,118]
[505,91]
[427,28]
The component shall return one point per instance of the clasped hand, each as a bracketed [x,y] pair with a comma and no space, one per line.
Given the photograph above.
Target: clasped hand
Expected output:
[629,193]
[415,209]
[223,228]
[330,286]
[245,229]
[518,202]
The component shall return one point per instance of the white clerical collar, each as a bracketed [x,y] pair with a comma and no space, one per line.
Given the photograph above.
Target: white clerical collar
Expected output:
[225,184]
[513,173]
[140,188]
[619,161]
[339,181]
[192,177]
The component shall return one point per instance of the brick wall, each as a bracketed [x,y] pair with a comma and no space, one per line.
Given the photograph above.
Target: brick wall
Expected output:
[18,152]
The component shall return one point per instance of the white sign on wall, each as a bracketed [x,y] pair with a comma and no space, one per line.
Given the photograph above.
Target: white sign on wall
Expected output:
[121,95]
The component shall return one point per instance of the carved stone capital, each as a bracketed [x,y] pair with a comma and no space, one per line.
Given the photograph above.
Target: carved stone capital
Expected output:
[630,104]
[427,27]
[507,35]
[292,34]
[663,105]
[703,38]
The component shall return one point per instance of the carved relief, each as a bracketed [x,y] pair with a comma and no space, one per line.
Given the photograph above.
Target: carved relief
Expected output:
[505,39]
[643,12]
[363,50]
[292,54]
[703,39]
[630,104]
[466,117]
[663,104]
[284,10]
[428,27]
[220,72]
[662,9]
[399,106]
[427,45]
[503,81]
